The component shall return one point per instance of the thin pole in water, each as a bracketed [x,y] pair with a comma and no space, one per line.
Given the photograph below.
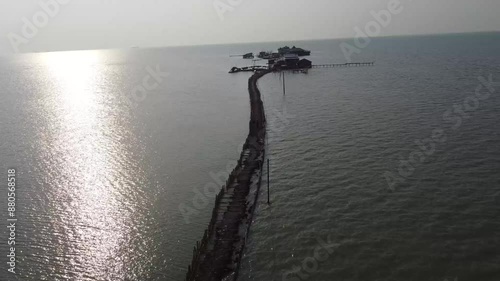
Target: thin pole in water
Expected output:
[268,201]
[284,89]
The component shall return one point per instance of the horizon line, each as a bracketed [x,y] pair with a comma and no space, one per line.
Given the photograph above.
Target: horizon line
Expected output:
[254,42]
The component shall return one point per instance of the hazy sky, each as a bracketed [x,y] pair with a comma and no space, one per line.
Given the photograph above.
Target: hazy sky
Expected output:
[93,24]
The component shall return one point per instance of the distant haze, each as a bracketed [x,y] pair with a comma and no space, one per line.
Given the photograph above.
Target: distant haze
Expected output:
[97,24]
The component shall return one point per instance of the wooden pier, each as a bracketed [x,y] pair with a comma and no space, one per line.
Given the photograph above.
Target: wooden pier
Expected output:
[349,64]
[255,68]
[217,257]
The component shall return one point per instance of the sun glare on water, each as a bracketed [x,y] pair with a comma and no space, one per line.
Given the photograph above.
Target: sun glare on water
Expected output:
[88,163]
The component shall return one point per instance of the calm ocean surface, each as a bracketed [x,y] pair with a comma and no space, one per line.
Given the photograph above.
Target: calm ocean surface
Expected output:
[102,179]
[341,130]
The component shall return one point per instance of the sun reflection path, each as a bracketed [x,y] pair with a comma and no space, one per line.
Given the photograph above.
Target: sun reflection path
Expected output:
[87,155]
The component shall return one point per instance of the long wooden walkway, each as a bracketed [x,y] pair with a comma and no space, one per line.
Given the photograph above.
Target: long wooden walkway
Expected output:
[218,255]
[349,64]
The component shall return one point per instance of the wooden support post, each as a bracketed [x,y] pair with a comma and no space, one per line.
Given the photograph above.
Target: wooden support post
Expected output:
[284,89]
[268,172]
